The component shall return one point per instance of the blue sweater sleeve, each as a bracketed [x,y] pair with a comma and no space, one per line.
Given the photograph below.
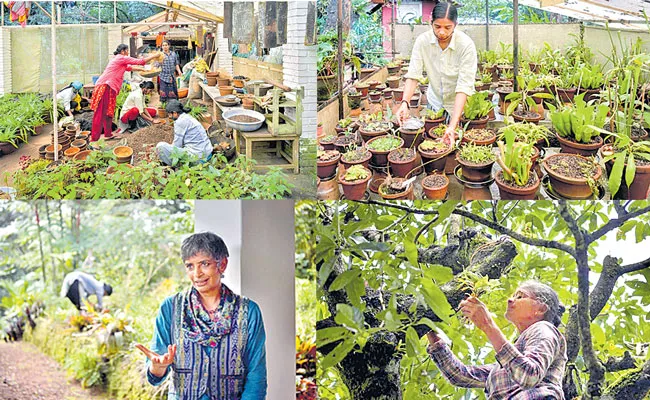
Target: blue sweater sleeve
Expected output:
[161,336]
[255,356]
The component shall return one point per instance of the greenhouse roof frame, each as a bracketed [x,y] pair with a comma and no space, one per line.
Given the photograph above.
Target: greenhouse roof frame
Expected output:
[628,14]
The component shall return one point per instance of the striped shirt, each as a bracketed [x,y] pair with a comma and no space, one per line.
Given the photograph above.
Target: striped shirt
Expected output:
[531,369]
[168,67]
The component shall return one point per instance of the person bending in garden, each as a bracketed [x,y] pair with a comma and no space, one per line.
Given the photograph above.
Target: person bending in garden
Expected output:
[449,58]
[134,114]
[530,369]
[210,340]
[70,98]
[106,89]
[189,136]
[78,285]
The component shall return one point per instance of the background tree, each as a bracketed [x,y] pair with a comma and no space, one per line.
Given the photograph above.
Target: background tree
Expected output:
[389,272]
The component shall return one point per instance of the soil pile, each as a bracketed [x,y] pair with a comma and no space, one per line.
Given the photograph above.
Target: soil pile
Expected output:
[146,138]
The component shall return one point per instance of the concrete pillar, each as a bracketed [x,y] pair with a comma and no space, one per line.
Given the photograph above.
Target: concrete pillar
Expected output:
[299,65]
[224,56]
[260,238]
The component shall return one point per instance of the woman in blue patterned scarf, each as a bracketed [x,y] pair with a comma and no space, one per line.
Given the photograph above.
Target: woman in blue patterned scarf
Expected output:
[170,70]
[210,339]
[530,369]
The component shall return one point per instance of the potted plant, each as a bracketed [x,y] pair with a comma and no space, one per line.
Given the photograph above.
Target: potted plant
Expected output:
[375,96]
[381,146]
[529,133]
[515,180]
[356,155]
[435,186]
[630,160]
[8,142]
[327,163]
[402,161]
[434,155]
[327,142]
[525,105]
[424,85]
[343,142]
[412,131]
[396,189]
[589,80]
[346,124]
[481,137]
[432,118]
[572,176]
[475,113]
[576,126]
[393,82]
[355,181]
[373,125]
[484,83]
[327,62]
[362,88]
[161,111]
[476,161]
[394,67]
[398,94]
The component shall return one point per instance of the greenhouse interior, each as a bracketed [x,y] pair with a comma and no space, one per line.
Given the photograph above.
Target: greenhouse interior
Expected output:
[559,108]
[245,86]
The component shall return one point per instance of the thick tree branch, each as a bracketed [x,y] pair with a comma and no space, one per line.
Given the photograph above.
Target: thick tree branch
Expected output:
[614,364]
[615,223]
[550,244]
[626,269]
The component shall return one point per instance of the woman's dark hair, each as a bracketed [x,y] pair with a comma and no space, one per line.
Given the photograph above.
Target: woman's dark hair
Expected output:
[146,85]
[108,289]
[165,41]
[176,106]
[445,10]
[120,49]
[546,295]
[205,242]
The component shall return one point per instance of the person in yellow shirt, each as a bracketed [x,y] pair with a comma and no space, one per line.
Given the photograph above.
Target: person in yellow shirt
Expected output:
[449,58]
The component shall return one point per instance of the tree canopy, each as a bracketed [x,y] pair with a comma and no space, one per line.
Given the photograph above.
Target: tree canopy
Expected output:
[388,273]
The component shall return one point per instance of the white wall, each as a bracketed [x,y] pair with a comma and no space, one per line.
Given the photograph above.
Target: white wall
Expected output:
[260,237]
[224,218]
[5,60]
[224,57]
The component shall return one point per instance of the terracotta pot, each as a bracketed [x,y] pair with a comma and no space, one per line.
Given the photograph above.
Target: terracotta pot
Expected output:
[566,95]
[223,82]
[434,161]
[394,70]
[410,136]
[225,90]
[84,135]
[363,88]
[327,145]
[328,190]
[71,152]
[374,96]
[509,191]
[503,91]
[482,87]
[380,158]
[327,169]
[212,74]
[433,192]
[365,161]
[430,124]
[367,135]
[398,95]
[415,101]
[7,148]
[238,83]
[248,102]
[79,143]
[402,168]
[533,120]
[161,112]
[483,142]
[567,187]
[571,147]
[476,172]
[82,155]
[590,94]
[212,81]
[366,72]
[123,154]
[41,150]
[388,94]
[393,82]
[50,148]
[480,123]
[355,190]
[406,195]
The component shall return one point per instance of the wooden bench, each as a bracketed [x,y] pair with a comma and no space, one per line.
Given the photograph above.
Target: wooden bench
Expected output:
[263,135]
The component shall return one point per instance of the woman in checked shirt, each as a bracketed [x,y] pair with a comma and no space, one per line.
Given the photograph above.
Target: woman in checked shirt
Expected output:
[530,369]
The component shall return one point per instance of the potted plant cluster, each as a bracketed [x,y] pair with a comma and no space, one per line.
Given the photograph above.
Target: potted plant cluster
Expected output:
[516,181]
[577,126]
[475,113]
[476,162]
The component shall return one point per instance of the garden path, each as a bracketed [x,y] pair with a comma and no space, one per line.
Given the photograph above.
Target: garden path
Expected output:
[26,373]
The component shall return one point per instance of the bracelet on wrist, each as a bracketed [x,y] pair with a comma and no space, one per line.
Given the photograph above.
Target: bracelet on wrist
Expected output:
[407,103]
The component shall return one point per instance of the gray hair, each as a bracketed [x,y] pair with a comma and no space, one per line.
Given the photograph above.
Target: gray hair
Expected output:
[205,242]
[546,295]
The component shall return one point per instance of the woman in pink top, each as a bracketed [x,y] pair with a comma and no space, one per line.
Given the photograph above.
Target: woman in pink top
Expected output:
[106,89]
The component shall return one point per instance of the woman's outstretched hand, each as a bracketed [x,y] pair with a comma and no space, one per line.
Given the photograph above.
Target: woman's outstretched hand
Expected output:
[159,363]
[477,312]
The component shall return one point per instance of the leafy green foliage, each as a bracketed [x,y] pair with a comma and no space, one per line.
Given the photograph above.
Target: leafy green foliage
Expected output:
[476,154]
[580,121]
[477,106]
[515,159]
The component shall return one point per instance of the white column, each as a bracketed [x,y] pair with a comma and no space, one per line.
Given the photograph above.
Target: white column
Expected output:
[299,64]
[224,56]
[268,277]
[5,60]
[223,217]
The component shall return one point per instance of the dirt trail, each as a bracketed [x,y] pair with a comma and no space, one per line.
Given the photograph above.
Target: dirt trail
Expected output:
[27,374]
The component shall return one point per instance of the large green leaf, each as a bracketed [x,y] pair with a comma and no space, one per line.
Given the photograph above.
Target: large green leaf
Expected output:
[412,342]
[436,300]
[411,251]
[326,336]
[346,277]
[349,316]
[338,354]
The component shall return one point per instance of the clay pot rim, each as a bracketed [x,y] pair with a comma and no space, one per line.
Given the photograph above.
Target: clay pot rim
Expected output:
[472,165]
[407,192]
[342,180]
[499,178]
[566,179]
[430,154]
[380,152]
[123,147]
[435,187]
[329,162]
[48,150]
[401,161]
[583,146]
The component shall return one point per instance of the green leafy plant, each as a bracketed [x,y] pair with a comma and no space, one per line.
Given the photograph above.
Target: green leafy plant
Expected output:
[355,173]
[589,77]
[434,146]
[523,97]
[579,122]
[476,154]
[515,159]
[477,106]
[525,132]
[429,114]
[344,123]
[384,143]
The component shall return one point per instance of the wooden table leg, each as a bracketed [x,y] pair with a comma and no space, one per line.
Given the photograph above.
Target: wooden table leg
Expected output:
[249,149]
[235,136]
[295,145]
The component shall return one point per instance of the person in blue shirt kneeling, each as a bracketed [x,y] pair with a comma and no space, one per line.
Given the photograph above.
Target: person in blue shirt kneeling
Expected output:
[189,136]
[211,339]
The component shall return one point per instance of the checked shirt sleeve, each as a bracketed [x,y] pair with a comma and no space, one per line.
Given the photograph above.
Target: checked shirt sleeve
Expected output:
[455,371]
[530,367]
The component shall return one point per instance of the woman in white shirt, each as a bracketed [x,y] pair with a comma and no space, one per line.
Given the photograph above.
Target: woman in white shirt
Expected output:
[134,107]
[449,58]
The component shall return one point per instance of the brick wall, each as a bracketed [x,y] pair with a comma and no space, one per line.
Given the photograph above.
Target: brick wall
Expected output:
[5,61]
[299,64]
[224,56]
